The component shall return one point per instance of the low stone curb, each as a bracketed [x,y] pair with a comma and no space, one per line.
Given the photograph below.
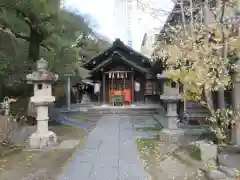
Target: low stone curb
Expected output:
[215,174]
[60,146]
[212,174]
[230,172]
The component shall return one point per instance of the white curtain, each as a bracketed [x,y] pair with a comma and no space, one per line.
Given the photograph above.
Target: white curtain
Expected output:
[96,88]
[137,86]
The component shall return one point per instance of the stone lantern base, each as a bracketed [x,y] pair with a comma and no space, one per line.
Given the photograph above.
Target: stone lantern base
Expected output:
[40,141]
[171,132]
[172,136]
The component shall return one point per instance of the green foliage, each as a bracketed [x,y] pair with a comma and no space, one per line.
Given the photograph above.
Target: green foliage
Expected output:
[156,128]
[220,123]
[33,29]
[200,57]
[194,151]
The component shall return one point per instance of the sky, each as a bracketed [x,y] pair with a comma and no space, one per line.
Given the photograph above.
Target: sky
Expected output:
[102,11]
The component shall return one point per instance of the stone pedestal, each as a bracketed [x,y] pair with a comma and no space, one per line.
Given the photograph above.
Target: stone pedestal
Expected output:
[171,97]
[172,115]
[42,80]
[40,141]
[173,132]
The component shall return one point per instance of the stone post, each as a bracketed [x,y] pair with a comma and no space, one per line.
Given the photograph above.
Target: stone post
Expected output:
[42,80]
[236,105]
[172,115]
[68,93]
[6,105]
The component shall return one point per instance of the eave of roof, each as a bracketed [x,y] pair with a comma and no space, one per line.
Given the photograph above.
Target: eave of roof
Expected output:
[107,61]
[116,44]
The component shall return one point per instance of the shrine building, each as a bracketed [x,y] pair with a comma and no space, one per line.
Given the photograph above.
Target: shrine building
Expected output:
[125,76]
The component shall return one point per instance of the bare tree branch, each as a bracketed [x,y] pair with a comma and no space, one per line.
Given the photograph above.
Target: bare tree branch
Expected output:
[45,46]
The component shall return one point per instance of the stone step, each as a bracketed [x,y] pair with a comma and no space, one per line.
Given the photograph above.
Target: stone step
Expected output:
[127,114]
[198,115]
[196,110]
[124,111]
[193,104]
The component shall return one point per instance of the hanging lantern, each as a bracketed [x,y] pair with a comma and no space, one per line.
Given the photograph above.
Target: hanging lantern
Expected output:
[109,75]
[125,74]
[122,75]
[96,88]
[137,86]
[118,75]
[113,75]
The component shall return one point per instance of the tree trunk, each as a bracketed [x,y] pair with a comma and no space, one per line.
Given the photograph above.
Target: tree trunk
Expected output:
[221,98]
[34,46]
[209,101]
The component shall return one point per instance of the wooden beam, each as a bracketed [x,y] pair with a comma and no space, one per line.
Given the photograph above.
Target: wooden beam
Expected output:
[133,88]
[104,88]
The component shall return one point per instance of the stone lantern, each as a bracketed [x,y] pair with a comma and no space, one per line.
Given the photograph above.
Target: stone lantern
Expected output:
[235,137]
[42,80]
[171,97]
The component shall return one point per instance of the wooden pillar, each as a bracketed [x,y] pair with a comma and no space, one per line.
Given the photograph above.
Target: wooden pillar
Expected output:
[132,86]
[104,88]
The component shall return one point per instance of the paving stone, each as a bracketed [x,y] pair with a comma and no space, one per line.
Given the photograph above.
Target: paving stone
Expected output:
[86,155]
[107,159]
[92,144]
[76,171]
[131,170]
[111,141]
[104,173]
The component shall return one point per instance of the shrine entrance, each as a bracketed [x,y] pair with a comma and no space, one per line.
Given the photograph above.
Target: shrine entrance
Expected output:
[119,89]
[124,75]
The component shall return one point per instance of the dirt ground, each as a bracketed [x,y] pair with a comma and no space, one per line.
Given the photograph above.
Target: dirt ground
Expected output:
[40,165]
[153,152]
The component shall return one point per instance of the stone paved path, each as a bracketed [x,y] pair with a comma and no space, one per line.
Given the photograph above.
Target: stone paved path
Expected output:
[110,153]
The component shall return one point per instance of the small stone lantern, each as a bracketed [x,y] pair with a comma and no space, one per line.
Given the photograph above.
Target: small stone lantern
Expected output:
[42,80]
[171,97]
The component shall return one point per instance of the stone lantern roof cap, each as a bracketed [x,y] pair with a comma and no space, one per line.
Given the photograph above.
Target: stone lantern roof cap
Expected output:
[42,64]
[42,74]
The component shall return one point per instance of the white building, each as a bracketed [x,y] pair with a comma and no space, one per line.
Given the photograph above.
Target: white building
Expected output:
[123,20]
[153,16]
[148,41]
[132,19]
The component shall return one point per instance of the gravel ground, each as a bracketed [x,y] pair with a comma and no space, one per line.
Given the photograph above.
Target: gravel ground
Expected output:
[40,165]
